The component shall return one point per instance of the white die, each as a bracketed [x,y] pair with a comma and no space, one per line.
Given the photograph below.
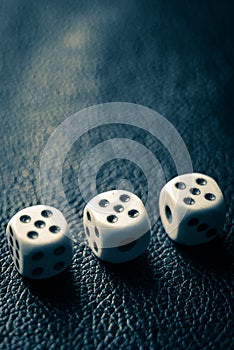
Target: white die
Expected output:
[38,241]
[192,208]
[117,226]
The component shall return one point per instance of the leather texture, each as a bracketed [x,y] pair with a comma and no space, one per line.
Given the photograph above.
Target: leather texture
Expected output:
[176,57]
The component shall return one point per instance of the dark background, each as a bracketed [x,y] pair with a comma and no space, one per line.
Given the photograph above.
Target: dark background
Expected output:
[176,57]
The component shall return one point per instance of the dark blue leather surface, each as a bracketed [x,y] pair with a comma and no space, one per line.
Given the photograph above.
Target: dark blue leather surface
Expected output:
[176,57]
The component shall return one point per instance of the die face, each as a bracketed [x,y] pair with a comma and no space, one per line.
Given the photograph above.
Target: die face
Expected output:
[125,249]
[128,250]
[45,263]
[192,208]
[117,206]
[37,241]
[198,227]
[123,238]
[37,225]
[195,191]
[129,222]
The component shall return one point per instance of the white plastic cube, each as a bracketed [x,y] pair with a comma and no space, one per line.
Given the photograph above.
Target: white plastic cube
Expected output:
[192,208]
[38,241]
[117,226]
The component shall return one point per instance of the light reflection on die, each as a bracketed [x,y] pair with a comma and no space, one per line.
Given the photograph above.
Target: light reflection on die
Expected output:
[117,226]
[38,242]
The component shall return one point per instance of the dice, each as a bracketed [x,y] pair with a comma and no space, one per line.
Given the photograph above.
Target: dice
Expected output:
[38,242]
[192,208]
[117,226]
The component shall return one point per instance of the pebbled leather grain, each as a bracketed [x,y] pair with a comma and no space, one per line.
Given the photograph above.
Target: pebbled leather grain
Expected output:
[177,58]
